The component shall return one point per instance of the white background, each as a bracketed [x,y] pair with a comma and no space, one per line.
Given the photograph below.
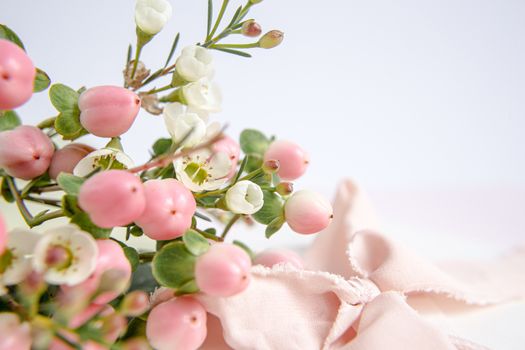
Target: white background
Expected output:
[422,102]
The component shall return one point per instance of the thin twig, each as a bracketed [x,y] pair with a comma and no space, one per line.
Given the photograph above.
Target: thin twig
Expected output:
[229,226]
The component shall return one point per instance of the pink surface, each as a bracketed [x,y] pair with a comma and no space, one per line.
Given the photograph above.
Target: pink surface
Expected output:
[362,291]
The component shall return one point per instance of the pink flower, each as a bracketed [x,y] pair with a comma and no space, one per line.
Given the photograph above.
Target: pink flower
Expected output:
[17,76]
[25,152]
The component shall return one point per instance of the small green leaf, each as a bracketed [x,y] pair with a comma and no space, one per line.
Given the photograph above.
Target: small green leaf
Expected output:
[274,226]
[68,125]
[133,257]
[272,209]
[189,287]
[136,231]
[6,192]
[235,17]
[262,179]
[255,161]
[233,52]
[64,98]
[161,146]
[42,81]
[8,34]
[195,243]
[173,48]
[209,19]
[84,222]
[70,183]
[245,248]
[9,120]
[70,205]
[173,265]
[253,142]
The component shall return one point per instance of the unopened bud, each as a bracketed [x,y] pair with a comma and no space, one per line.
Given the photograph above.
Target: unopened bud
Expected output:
[271,39]
[251,28]
[271,166]
[135,303]
[284,188]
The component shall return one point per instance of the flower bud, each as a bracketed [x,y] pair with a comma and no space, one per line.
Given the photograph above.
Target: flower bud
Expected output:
[224,270]
[251,28]
[152,15]
[245,197]
[179,323]
[25,152]
[112,198]
[135,303]
[17,76]
[307,212]
[293,160]
[194,63]
[271,166]
[284,188]
[66,159]
[108,111]
[271,39]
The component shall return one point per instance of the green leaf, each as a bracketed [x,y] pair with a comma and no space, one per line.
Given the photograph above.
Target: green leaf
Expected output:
[245,248]
[195,243]
[9,120]
[189,287]
[42,180]
[233,52]
[235,17]
[255,161]
[8,34]
[172,50]
[64,98]
[70,205]
[42,81]
[6,193]
[274,226]
[272,209]
[173,266]
[68,125]
[70,183]
[161,146]
[136,231]
[84,222]
[133,257]
[262,179]
[253,142]
[142,279]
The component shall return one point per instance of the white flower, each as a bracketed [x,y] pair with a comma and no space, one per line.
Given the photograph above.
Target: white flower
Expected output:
[245,197]
[203,170]
[203,95]
[152,15]
[180,121]
[105,158]
[66,255]
[194,63]
[18,255]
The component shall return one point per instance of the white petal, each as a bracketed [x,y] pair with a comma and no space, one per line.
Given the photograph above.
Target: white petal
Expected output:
[204,95]
[152,15]
[245,197]
[220,165]
[21,243]
[89,162]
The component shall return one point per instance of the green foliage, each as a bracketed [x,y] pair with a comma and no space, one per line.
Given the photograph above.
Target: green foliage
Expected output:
[83,221]
[173,267]
[253,142]
[42,81]
[161,146]
[273,208]
[70,183]
[8,34]
[274,226]
[9,120]
[65,100]
[133,257]
[195,243]
[6,192]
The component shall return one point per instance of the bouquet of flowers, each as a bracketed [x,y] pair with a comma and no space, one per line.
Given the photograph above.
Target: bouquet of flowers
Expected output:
[76,286]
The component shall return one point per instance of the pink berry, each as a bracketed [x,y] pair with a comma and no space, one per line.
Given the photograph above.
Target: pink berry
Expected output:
[230,147]
[110,257]
[112,198]
[17,76]
[14,334]
[224,270]
[307,212]
[273,257]
[65,159]
[293,160]
[108,111]
[169,209]
[25,152]
[3,235]
[179,323]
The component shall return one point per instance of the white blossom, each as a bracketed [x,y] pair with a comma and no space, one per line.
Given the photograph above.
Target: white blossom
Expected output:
[105,158]
[180,121]
[203,94]
[152,15]
[245,197]
[194,63]
[78,252]
[203,170]
[19,253]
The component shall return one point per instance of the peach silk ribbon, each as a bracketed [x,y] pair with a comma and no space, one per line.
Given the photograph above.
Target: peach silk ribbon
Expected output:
[359,291]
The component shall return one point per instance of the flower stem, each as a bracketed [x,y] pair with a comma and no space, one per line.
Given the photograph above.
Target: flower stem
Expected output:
[229,225]
[235,46]
[218,20]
